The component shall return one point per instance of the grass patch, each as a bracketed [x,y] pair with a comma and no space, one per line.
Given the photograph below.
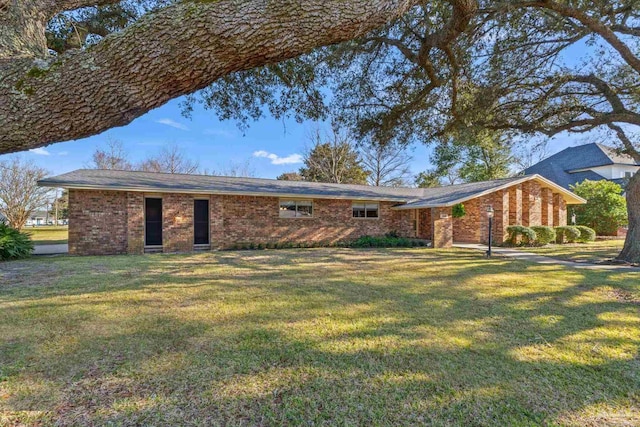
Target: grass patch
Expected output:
[592,252]
[317,337]
[48,235]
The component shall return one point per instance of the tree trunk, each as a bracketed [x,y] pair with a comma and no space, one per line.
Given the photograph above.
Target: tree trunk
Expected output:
[174,51]
[631,250]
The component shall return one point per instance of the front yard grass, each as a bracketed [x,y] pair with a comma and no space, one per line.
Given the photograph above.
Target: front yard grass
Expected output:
[592,252]
[317,337]
[48,234]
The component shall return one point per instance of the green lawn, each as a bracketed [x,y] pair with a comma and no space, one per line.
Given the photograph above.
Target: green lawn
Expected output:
[582,252]
[317,337]
[48,235]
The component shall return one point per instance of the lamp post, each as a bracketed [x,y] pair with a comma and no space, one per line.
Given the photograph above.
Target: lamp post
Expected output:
[490,216]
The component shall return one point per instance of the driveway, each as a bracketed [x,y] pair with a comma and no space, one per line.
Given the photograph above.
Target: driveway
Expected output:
[51,249]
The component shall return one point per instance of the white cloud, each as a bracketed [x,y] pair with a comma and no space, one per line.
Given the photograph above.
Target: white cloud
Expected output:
[40,151]
[218,132]
[173,124]
[277,160]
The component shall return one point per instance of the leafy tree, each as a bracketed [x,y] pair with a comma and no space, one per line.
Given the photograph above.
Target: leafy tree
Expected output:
[481,155]
[606,208]
[290,176]
[333,159]
[492,64]
[387,164]
[427,179]
[20,194]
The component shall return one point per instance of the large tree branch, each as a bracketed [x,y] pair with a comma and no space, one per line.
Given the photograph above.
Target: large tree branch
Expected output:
[593,24]
[175,51]
[53,7]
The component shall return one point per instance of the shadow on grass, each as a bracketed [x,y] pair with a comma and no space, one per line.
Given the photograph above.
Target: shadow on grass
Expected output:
[332,336]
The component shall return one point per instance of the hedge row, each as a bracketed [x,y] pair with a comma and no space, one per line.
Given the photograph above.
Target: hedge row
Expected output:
[542,235]
[389,241]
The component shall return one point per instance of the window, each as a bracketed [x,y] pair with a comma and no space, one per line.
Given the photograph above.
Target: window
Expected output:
[296,208]
[365,210]
[628,174]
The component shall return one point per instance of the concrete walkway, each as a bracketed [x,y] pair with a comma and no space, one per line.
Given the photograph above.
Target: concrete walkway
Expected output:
[541,259]
[51,249]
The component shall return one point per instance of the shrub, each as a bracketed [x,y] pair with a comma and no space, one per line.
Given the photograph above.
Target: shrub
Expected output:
[567,234]
[382,242]
[544,235]
[528,235]
[14,244]
[458,211]
[586,234]
[606,207]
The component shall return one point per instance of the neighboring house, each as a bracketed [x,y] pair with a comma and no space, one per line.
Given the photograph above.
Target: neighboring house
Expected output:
[113,212]
[39,217]
[590,161]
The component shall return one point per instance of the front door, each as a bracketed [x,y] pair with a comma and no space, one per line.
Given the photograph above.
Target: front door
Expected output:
[200,222]
[153,222]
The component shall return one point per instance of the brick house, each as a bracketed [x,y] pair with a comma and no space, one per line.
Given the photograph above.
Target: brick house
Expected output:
[117,212]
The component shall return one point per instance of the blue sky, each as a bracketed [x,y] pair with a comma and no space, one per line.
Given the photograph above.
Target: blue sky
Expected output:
[270,146]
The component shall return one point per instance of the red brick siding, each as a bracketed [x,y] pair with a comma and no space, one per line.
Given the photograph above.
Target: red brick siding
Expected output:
[531,204]
[515,205]
[424,226]
[547,207]
[442,226]
[135,223]
[97,222]
[467,228]
[559,210]
[250,219]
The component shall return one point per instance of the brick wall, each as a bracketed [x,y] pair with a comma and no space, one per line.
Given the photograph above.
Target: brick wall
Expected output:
[97,222]
[250,219]
[547,207]
[110,222]
[135,223]
[559,210]
[515,205]
[531,203]
[442,226]
[468,228]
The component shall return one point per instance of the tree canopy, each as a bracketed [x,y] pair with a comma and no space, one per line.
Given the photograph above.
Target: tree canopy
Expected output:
[397,71]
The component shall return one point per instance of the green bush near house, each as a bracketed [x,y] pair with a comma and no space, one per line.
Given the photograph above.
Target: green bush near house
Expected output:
[544,235]
[567,234]
[384,242]
[528,236]
[458,211]
[14,244]
[606,207]
[586,234]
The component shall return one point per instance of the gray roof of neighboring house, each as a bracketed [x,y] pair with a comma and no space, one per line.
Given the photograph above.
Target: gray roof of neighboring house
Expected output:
[204,184]
[558,168]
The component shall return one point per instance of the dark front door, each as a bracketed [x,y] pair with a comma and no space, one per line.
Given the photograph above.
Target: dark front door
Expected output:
[153,222]
[201,222]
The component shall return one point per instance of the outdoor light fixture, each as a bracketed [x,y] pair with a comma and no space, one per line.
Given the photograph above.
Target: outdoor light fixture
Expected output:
[490,216]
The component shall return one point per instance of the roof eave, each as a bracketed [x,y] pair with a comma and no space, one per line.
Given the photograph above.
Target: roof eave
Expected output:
[148,189]
[573,199]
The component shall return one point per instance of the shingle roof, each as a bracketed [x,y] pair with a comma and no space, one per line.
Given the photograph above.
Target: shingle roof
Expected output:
[151,181]
[558,167]
[204,184]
